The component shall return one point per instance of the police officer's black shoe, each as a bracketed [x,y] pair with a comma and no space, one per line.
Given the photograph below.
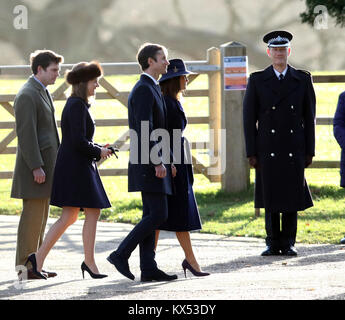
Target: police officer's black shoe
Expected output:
[291,251]
[342,241]
[270,251]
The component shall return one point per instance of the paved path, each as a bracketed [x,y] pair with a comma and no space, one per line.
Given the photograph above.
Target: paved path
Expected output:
[238,270]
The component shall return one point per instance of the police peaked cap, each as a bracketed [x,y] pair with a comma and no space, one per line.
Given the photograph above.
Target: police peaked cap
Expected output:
[278,38]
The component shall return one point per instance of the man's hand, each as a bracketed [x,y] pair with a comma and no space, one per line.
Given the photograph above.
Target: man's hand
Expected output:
[173,170]
[253,162]
[161,171]
[39,175]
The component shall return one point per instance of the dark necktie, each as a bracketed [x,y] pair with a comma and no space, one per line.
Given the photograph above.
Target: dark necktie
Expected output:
[50,99]
[159,89]
[281,77]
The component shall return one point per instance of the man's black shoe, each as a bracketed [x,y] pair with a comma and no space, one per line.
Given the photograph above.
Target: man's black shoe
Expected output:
[121,265]
[157,275]
[291,251]
[342,241]
[30,275]
[49,274]
[269,251]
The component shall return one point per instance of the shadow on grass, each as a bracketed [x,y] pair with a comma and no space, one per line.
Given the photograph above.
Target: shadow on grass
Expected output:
[221,196]
[233,213]
[327,191]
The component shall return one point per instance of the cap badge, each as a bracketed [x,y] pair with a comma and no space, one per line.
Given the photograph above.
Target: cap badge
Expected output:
[278,39]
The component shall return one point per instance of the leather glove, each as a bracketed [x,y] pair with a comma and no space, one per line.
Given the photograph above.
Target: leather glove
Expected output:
[253,162]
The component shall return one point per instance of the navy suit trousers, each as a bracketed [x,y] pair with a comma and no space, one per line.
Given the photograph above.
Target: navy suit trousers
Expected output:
[155,212]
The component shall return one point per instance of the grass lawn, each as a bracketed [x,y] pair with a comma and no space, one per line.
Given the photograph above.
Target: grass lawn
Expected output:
[221,213]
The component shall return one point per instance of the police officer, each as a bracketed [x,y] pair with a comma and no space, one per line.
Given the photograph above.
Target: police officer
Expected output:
[279,128]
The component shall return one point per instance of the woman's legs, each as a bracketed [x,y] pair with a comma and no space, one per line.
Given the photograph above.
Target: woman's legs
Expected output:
[184,238]
[69,216]
[156,238]
[89,237]
[185,242]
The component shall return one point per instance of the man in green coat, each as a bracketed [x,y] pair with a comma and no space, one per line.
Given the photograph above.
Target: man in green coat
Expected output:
[38,142]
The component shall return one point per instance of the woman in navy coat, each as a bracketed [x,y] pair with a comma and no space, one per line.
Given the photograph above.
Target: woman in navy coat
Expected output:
[183,214]
[76,183]
[339,134]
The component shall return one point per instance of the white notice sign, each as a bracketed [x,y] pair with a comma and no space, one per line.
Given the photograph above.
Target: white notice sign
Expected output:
[235,73]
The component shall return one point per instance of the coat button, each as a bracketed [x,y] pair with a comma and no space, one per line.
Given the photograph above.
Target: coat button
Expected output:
[290,154]
[292,107]
[272,154]
[291,131]
[273,131]
[273,108]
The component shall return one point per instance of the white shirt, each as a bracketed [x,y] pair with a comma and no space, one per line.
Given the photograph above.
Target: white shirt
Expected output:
[279,73]
[153,79]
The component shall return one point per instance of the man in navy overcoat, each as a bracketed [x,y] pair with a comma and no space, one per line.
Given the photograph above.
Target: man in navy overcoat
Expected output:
[279,128]
[149,169]
[339,134]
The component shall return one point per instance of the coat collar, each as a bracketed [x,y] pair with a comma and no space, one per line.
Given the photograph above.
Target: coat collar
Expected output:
[144,78]
[280,90]
[150,77]
[269,73]
[150,81]
[41,90]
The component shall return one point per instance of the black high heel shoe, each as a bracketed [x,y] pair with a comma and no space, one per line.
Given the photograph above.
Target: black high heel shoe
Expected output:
[84,267]
[186,265]
[32,259]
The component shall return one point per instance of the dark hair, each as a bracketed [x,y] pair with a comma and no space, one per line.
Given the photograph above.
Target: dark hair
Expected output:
[171,87]
[44,58]
[79,76]
[146,51]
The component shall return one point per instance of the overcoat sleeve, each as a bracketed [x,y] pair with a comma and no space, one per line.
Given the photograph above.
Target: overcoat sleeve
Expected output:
[78,119]
[339,121]
[26,128]
[309,118]
[250,117]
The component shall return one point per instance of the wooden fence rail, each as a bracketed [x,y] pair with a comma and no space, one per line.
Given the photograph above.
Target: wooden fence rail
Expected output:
[131,68]
[212,67]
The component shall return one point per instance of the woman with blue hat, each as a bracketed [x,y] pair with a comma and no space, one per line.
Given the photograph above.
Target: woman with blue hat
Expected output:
[183,213]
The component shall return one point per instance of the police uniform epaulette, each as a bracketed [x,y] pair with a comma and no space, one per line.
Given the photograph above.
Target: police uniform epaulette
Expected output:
[304,71]
[256,72]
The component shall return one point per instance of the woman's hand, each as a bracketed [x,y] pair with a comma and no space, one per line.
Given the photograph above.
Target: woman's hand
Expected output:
[105,153]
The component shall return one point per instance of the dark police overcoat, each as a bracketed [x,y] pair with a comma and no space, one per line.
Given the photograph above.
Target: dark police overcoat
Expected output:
[339,134]
[279,128]
[147,115]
